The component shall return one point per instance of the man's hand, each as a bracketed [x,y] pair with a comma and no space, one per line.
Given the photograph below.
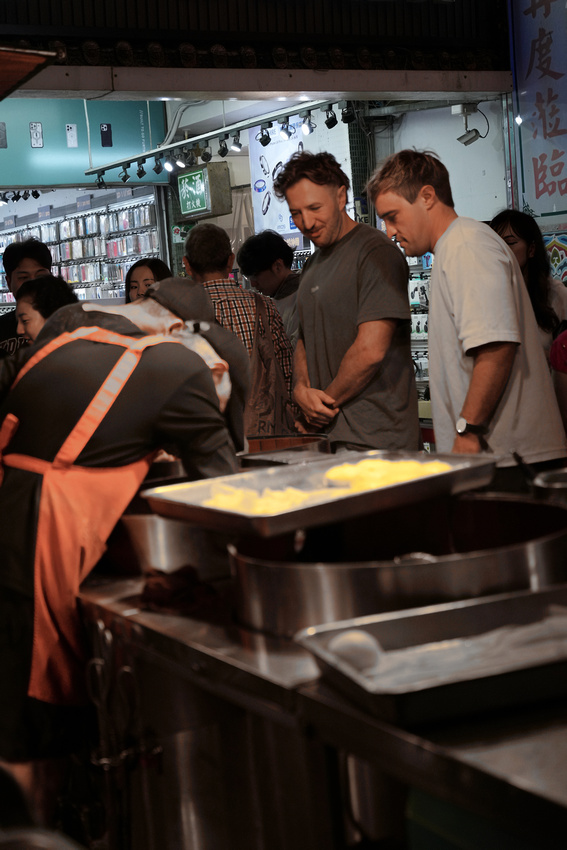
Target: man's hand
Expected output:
[316,405]
[467,444]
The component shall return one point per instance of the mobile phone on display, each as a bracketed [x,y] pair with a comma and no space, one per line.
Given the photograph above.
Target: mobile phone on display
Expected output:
[36,134]
[106,135]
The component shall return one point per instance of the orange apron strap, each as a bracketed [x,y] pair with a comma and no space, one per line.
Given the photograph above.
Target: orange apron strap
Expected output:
[7,431]
[103,400]
[94,333]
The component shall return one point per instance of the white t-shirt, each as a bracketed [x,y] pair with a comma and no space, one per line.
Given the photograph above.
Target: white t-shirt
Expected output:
[478,296]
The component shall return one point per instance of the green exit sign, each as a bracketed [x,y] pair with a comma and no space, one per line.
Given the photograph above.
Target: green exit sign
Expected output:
[194,192]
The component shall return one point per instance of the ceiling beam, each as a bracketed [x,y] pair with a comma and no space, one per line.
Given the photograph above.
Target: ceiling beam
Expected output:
[116,83]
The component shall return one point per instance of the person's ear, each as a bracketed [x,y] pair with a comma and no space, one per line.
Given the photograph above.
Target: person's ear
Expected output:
[342,196]
[276,266]
[187,267]
[230,265]
[531,250]
[428,196]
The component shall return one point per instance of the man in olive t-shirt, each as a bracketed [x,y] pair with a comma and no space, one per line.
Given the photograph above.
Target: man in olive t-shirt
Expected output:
[353,373]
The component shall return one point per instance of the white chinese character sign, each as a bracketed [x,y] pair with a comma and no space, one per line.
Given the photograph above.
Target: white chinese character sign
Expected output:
[541,89]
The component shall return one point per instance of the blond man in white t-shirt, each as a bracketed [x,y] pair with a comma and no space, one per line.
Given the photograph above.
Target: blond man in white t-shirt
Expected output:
[490,385]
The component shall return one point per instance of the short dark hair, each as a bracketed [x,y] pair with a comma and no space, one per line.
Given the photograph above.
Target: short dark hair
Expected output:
[208,248]
[159,269]
[29,249]
[321,168]
[405,173]
[261,251]
[46,293]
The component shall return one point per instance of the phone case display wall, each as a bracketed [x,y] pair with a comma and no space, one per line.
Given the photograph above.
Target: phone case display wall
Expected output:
[93,251]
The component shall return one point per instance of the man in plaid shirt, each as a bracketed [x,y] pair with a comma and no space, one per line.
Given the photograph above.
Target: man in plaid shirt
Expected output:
[209,260]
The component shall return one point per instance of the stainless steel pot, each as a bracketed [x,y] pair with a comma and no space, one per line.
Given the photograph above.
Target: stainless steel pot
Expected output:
[438,551]
[551,485]
[167,544]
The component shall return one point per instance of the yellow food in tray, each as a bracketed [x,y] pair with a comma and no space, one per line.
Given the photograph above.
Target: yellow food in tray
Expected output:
[342,480]
[371,473]
[247,501]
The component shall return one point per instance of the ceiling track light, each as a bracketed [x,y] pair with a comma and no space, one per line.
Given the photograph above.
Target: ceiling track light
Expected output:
[236,145]
[158,167]
[36,193]
[16,196]
[124,176]
[180,160]
[26,195]
[286,132]
[308,126]
[331,119]
[223,147]
[263,136]
[3,198]
[169,165]
[348,115]
[191,159]
[207,154]
[100,184]
[141,171]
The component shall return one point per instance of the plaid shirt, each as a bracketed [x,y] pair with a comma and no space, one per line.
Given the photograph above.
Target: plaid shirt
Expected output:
[235,309]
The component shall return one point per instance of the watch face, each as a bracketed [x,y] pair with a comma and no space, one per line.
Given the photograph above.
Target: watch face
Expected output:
[461,426]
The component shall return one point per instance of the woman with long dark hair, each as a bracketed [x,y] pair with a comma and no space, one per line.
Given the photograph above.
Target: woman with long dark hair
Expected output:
[142,274]
[521,233]
[548,296]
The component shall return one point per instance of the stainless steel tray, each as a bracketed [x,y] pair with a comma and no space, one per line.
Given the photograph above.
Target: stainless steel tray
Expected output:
[423,702]
[185,501]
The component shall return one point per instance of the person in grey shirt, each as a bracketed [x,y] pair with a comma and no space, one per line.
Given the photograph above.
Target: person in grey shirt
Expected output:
[353,373]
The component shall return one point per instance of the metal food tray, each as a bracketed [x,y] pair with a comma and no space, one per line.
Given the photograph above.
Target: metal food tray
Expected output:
[422,703]
[185,501]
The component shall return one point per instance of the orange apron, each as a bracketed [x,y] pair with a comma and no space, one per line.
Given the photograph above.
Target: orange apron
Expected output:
[78,509]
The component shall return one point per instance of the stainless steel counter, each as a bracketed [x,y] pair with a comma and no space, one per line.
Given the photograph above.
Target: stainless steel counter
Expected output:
[509,768]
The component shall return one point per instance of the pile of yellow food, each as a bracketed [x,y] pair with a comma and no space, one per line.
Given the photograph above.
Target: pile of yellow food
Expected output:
[372,472]
[343,480]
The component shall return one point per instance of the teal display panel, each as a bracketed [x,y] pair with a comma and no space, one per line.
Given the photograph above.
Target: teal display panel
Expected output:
[47,143]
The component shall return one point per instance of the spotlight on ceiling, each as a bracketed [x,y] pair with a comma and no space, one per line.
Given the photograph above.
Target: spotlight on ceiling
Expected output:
[263,136]
[3,198]
[331,119]
[286,131]
[223,147]
[26,195]
[191,159]
[206,154]
[469,137]
[158,167]
[180,160]
[308,126]
[169,164]
[348,115]
[16,196]
[141,171]
[35,193]
[236,143]
[100,184]
[124,176]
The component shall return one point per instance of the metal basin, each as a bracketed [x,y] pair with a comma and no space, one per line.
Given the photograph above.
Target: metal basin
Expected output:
[437,551]
[165,544]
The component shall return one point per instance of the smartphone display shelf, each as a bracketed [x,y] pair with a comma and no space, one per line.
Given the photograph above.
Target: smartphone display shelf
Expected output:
[92,250]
